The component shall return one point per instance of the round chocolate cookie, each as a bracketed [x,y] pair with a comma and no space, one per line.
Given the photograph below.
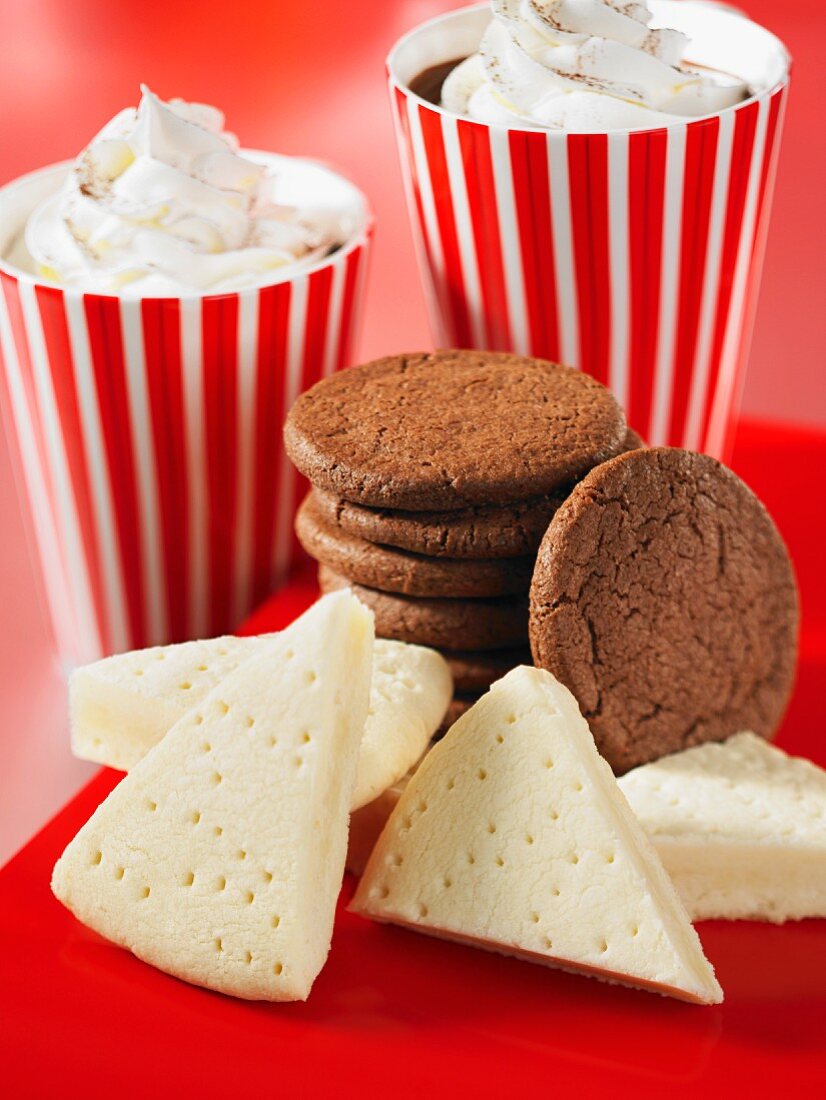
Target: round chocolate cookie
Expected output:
[392,570]
[476,671]
[480,533]
[443,624]
[664,598]
[452,430]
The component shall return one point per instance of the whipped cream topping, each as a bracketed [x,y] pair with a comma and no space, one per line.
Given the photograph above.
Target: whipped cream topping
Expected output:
[161,202]
[584,66]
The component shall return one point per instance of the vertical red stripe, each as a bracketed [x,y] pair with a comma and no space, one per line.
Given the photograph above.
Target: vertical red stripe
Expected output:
[772,137]
[756,260]
[219,322]
[162,347]
[106,345]
[698,184]
[349,306]
[646,197]
[58,350]
[588,188]
[405,139]
[532,196]
[315,335]
[273,324]
[745,124]
[456,298]
[477,165]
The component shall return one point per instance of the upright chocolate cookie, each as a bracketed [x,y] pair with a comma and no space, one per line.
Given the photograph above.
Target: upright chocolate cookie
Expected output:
[510,531]
[392,570]
[443,624]
[452,430]
[664,598]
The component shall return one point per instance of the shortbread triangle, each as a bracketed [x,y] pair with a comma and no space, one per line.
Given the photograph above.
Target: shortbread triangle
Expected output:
[121,706]
[513,835]
[220,856]
[740,827]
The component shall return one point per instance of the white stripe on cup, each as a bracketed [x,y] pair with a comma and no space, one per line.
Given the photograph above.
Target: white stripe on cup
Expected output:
[735,337]
[464,231]
[143,435]
[620,265]
[431,224]
[39,504]
[405,156]
[245,435]
[196,459]
[658,429]
[285,503]
[566,286]
[99,474]
[332,339]
[90,643]
[711,283]
[357,305]
[509,236]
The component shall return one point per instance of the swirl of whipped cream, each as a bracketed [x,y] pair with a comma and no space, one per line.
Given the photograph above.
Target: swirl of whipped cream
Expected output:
[585,66]
[160,203]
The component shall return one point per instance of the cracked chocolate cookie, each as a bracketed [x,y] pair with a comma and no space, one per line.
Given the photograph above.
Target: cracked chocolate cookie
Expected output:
[393,570]
[441,623]
[452,430]
[664,598]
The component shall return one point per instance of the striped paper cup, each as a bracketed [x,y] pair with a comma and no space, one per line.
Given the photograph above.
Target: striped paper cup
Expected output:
[634,256]
[148,431]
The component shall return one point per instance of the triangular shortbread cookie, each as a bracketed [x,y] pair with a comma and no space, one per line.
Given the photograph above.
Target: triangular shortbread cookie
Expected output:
[121,706]
[220,856]
[513,835]
[740,827]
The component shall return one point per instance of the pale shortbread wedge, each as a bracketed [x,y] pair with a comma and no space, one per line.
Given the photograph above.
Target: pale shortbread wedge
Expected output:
[512,835]
[121,706]
[740,827]
[219,858]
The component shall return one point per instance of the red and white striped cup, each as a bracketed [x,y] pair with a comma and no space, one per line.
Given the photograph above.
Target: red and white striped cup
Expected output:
[148,431]
[633,256]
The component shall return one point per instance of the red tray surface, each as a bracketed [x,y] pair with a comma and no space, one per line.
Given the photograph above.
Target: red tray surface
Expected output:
[405,1014]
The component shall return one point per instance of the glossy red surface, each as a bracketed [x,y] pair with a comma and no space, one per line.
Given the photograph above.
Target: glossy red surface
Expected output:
[404,1015]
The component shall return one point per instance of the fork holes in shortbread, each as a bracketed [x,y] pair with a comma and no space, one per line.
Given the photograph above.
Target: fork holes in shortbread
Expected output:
[96,858]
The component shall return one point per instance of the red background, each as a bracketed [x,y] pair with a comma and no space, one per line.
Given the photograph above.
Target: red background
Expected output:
[394,1009]
[308,78]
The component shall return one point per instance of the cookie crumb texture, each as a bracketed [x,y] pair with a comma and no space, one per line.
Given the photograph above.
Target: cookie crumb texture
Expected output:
[452,429]
[664,598]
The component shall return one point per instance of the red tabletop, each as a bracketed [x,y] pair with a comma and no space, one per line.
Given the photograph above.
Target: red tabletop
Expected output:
[405,1015]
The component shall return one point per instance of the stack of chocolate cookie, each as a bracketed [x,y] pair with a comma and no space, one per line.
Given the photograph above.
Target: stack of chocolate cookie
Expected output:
[435,477]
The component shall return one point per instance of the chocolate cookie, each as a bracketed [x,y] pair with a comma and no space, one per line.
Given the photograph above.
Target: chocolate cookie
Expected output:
[443,624]
[392,570]
[452,430]
[475,533]
[475,671]
[664,598]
